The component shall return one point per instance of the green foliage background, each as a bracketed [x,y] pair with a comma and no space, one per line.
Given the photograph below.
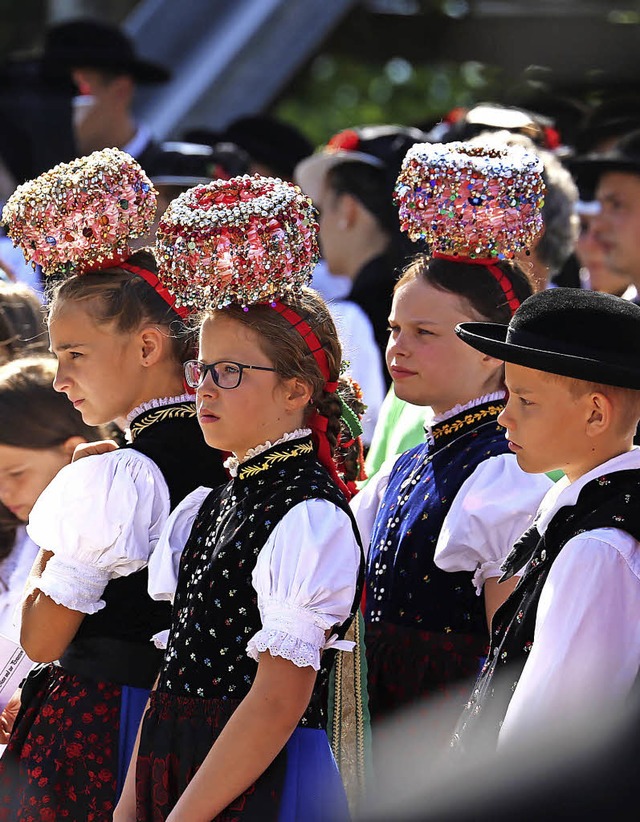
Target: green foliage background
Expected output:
[335,92]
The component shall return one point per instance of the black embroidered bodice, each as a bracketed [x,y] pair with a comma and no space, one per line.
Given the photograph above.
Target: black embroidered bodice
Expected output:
[404,586]
[610,501]
[172,438]
[215,610]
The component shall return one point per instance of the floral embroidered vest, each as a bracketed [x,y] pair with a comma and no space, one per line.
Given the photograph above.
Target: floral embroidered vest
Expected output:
[215,609]
[404,586]
[611,501]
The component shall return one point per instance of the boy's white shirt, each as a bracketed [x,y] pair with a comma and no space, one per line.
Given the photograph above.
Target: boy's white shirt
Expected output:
[586,649]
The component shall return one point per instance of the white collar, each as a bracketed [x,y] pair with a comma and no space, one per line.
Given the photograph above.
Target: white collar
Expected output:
[159,402]
[232,463]
[458,409]
[431,422]
[138,142]
[564,492]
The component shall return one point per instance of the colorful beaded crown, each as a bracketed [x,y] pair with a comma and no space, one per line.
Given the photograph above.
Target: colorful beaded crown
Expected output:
[80,216]
[245,240]
[471,200]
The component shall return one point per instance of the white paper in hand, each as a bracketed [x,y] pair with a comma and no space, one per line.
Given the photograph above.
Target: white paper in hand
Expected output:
[14,666]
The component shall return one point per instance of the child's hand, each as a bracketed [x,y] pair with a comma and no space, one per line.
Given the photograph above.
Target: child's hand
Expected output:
[8,717]
[91,449]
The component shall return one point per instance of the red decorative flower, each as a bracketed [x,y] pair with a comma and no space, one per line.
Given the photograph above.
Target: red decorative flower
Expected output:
[347,140]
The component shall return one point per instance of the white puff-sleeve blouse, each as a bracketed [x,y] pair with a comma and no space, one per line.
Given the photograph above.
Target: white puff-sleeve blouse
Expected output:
[101,517]
[492,509]
[305,577]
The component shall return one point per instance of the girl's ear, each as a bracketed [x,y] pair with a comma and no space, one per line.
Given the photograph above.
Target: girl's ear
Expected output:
[153,341]
[492,362]
[70,445]
[297,393]
[348,207]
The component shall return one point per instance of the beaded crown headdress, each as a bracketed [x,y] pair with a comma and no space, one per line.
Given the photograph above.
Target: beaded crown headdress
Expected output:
[246,240]
[471,200]
[80,216]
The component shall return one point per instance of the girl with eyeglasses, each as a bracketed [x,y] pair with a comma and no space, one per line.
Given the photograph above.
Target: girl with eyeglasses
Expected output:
[120,343]
[270,565]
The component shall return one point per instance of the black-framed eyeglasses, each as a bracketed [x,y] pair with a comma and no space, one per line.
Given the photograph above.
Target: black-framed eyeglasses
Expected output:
[224,373]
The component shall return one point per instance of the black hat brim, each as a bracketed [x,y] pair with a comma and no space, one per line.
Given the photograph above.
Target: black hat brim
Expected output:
[491,339]
[142,71]
[587,172]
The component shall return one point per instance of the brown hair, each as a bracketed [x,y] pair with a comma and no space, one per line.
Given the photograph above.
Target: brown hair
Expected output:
[627,400]
[23,330]
[292,358]
[473,283]
[34,415]
[120,296]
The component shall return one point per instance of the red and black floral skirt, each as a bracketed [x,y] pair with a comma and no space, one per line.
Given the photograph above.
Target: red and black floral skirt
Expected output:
[62,761]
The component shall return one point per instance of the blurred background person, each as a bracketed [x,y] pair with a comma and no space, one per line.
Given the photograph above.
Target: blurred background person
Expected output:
[351,181]
[23,329]
[40,430]
[614,176]
[274,146]
[594,272]
[101,61]
[15,165]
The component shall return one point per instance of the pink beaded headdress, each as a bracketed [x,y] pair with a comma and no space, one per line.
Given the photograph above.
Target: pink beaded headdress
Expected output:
[81,216]
[472,203]
[247,241]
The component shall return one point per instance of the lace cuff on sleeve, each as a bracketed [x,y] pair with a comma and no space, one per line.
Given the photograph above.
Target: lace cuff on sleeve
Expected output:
[295,634]
[77,587]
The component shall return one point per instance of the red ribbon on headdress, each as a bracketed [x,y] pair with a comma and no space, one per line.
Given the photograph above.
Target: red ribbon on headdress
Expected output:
[490,264]
[317,422]
[159,288]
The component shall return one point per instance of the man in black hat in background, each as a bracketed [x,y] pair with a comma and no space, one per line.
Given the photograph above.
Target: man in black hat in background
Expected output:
[614,175]
[566,642]
[100,60]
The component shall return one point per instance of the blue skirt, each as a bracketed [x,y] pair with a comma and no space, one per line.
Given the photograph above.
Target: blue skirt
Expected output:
[312,789]
[302,783]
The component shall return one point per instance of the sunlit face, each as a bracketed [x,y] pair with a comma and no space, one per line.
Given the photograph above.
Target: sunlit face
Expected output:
[101,100]
[257,410]
[618,224]
[99,367]
[332,236]
[25,473]
[428,362]
[591,254]
[546,424]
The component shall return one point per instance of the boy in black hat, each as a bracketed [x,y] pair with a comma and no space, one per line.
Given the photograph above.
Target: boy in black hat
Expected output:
[568,637]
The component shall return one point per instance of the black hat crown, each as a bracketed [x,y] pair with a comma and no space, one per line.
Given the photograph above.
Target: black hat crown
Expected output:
[97,45]
[587,335]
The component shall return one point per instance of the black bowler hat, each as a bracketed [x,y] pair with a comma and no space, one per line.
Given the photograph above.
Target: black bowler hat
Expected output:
[587,335]
[96,45]
[622,156]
